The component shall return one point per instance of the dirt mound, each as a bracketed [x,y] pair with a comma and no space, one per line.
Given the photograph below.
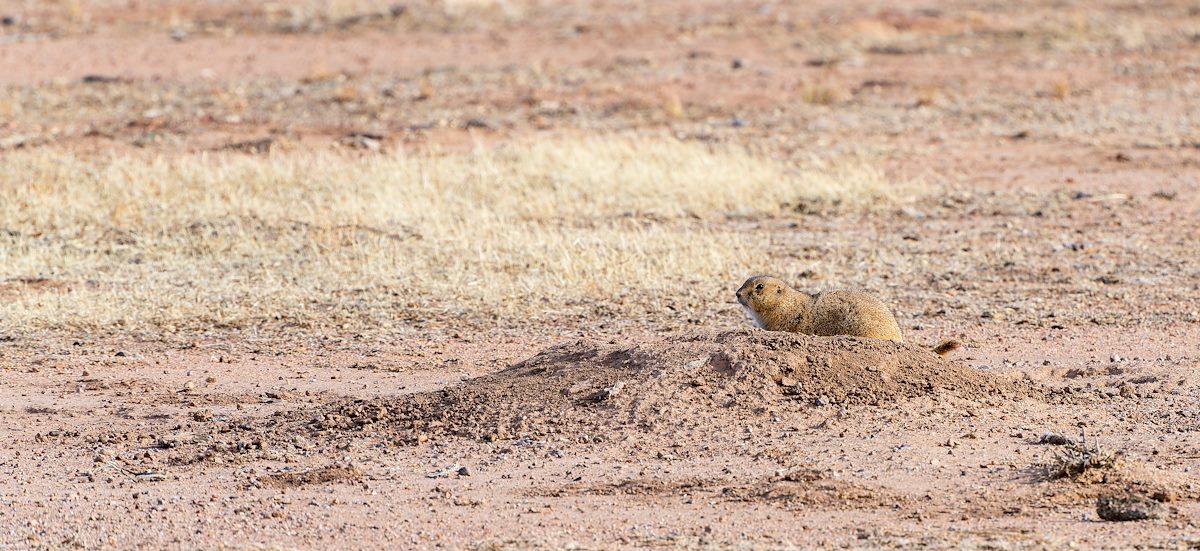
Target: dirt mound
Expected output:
[323,475]
[588,390]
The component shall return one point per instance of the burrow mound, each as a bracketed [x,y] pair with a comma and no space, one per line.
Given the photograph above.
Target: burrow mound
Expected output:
[587,389]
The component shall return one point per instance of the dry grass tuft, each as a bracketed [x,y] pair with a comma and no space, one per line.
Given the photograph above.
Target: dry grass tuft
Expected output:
[1060,89]
[1078,458]
[300,244]
[822,93]
[673,107]
[929,96]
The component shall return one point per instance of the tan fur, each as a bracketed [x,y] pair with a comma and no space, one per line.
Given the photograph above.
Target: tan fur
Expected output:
[777,307]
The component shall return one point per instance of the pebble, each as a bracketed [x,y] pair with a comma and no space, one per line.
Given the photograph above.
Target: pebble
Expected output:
[1126,506]
[1055,439]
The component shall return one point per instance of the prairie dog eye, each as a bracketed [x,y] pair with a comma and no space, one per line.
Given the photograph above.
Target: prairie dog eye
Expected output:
[758,287]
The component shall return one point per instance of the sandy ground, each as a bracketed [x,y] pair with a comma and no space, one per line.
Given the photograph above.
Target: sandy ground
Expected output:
[1062,253]
[103,452]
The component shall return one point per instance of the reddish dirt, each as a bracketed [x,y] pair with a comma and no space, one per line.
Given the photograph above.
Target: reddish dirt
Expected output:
[1062,253]
[687,453]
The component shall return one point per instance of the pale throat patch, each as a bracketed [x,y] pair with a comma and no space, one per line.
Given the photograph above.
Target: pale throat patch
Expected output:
[753,315]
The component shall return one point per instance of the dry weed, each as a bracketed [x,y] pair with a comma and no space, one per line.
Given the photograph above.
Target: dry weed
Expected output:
[1079,457]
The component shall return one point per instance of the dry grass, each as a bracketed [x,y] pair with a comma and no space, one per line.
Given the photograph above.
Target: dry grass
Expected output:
[822,93]
[1078,458]
[273,16]
[284,244]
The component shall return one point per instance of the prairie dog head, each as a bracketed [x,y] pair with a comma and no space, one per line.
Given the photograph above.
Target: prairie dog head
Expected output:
[760,295]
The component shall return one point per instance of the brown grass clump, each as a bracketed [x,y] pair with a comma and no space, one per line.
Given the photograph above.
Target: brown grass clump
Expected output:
[929,96]
[673,107]
[290,243]
[1060,89]
[822,93]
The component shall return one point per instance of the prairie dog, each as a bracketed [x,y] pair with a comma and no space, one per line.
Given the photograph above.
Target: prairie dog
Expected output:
[775,306]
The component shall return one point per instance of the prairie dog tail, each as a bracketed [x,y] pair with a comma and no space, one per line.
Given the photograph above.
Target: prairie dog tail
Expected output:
[946,347]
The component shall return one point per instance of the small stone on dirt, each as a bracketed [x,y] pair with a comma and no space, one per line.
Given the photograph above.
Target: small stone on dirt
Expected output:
[1126,506]
[453,469]
[1055,439]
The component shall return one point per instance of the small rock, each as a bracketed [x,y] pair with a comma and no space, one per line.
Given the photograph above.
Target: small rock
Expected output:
[478,123]
[453,469]
[609,392]
[1125,506]
[362,140]
[463,471]
[100,79]
[260,146]
[150,477]
[1055,439]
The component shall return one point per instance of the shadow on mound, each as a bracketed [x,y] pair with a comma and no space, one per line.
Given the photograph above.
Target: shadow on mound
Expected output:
[587,390]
